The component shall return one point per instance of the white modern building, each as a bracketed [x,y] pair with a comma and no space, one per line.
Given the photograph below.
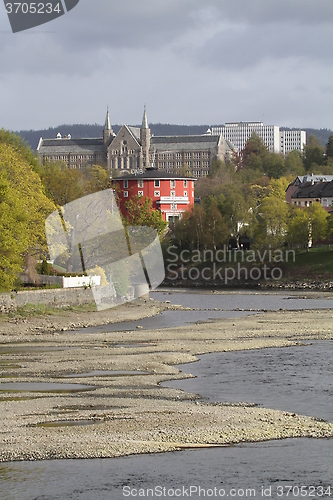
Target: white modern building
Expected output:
[291,140]
[276,140]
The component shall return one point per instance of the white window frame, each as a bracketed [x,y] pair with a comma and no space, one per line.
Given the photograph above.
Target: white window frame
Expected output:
[157,194]
[140,183]
[125,194]
[157,183]
[125,183]
[140,193]
[172,184]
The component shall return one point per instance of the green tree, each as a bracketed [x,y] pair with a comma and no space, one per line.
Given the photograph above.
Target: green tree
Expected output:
[140,212]
[62,184]
[254,146]
[329,147]
[277,187]
[330,226]
[313,154]
[307,225]
[271,226]
[96,178]
[294,164]
[217,232]
[23,210]
[318,221]
[298,227]
[274,166]
[186,170]
[20,147]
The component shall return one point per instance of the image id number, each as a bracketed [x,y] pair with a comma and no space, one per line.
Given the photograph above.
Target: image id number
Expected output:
[304,491]
[32,8]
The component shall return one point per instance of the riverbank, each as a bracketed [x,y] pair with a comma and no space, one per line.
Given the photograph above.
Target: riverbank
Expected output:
[125,410]
[297,285]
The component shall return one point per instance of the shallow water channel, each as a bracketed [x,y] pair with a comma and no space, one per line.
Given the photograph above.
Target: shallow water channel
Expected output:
[296,379]
[204,306]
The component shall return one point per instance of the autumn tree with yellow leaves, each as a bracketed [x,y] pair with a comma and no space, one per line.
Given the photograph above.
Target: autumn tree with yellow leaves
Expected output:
[23,208]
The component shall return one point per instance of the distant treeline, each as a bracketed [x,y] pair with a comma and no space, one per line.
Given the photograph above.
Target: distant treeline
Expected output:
[84,131]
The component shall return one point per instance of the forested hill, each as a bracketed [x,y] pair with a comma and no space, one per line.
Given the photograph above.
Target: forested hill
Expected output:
[32,136]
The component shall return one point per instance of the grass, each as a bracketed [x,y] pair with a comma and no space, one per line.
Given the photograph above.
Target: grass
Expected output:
[315,264]
[32,310]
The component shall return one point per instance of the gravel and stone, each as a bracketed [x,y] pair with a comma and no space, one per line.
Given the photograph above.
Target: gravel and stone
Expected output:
[123,409]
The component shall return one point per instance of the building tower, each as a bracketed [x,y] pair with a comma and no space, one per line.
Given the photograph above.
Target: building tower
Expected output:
[145,139]
[107,132]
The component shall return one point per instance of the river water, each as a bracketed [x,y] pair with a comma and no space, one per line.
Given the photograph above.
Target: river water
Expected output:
[296,379]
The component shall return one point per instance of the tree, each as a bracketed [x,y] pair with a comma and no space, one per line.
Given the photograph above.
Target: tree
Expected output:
[274,166]
[186,170]
[270,229]
[20,147]
[318,221]
[294,164]
[216,233]
[298,227]
[330,226]
[140,212]
[277,187]
[236,211]
[313,153]
[254,147]
[96,178]
[23,210]
[307,225]
[62,184]
[329,147]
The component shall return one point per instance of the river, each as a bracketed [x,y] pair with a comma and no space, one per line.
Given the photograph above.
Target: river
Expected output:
[295,379]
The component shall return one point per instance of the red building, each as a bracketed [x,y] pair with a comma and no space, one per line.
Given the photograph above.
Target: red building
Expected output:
[172,194]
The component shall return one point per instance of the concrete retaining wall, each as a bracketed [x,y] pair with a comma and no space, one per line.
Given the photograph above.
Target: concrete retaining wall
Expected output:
[59,297]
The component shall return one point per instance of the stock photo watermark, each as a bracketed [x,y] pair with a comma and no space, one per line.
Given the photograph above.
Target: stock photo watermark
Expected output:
[226,265]
[26,15]
[197,491]
[87,236]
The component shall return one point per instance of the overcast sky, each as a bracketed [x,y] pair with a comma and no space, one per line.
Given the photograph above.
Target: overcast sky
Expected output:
[189,61]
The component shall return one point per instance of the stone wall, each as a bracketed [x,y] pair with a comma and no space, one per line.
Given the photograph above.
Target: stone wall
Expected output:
[58,297]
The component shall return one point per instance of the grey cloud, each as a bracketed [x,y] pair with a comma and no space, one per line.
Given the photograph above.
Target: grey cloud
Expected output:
[191,61]
[235,48]
[100,32]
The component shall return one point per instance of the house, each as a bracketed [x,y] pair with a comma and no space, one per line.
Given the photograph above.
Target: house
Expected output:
[303,179]
[172,194]
[311,192]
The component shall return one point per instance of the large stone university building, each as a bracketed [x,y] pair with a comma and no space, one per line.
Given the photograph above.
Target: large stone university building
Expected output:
[136,148]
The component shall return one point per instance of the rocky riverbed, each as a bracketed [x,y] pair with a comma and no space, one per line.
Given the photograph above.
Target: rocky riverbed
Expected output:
[121,408]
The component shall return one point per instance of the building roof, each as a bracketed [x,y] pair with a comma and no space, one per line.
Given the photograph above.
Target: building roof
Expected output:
[64,146]
[311,190]
[134,132]
[328,191]
[184,142]
[152,174]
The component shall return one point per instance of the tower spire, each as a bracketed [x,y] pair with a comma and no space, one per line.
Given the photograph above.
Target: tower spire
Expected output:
[107,120]
[145,119]
[145,139]
[107,132]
